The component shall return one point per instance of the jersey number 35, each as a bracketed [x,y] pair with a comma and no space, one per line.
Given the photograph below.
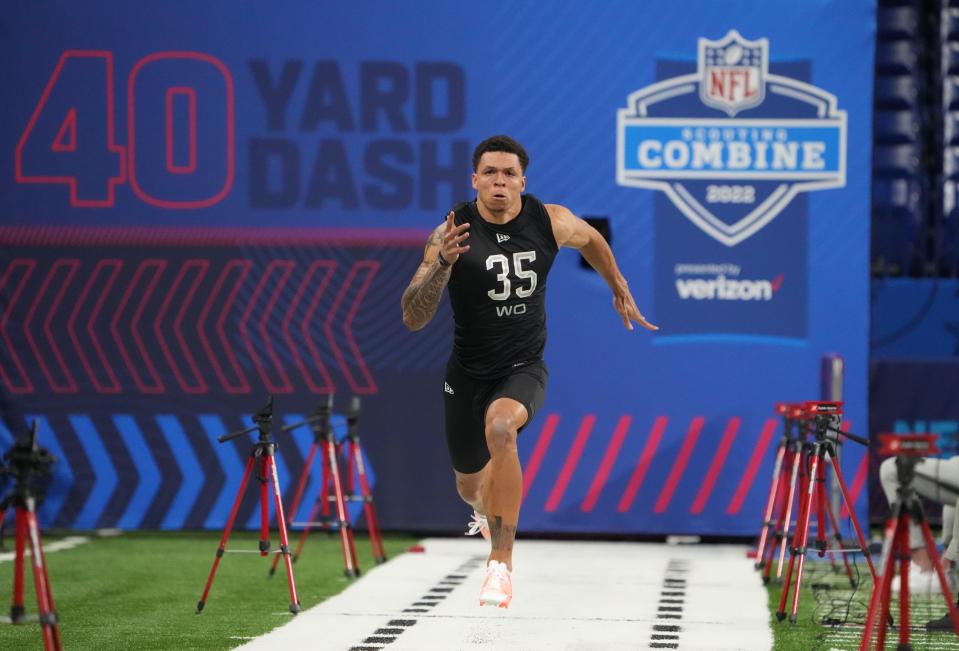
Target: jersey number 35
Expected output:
[501,262]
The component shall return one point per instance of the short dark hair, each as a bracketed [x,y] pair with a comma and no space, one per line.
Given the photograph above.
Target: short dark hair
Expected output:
[500,143]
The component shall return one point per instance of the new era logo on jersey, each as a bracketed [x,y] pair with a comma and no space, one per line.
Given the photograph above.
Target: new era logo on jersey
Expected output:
[500,238]
[447,388]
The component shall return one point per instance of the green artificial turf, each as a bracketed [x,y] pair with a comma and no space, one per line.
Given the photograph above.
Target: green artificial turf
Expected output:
[140,590]
[831,613]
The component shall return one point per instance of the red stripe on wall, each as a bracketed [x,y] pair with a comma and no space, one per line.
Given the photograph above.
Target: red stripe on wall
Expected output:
[612,452]
[542,444]
[209,236]
[572,460]
[718,460]
[754,462]
[645,458]
[695,427]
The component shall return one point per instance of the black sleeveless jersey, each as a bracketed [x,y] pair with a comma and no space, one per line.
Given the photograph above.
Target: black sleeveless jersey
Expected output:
[498,290]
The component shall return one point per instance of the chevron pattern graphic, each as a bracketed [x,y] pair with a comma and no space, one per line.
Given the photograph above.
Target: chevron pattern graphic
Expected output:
[154,325]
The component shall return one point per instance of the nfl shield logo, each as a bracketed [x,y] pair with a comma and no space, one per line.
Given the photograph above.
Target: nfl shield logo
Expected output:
[730,172]
[732,72]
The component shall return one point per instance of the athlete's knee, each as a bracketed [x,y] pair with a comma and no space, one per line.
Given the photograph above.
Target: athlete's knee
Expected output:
[501,435]
[469,489]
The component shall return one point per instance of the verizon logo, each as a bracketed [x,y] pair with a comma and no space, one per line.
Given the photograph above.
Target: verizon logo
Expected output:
[724,289]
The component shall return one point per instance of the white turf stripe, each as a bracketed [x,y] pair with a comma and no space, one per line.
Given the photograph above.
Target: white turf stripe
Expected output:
[67,543]
[566,595]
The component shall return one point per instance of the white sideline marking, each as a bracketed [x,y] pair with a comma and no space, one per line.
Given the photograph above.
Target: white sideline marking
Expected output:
[583,596]
[67,543]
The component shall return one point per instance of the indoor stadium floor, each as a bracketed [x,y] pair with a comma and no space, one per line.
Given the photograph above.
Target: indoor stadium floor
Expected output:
[566,595]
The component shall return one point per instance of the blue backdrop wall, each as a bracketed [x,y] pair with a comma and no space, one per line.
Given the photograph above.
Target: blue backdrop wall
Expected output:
[201,206]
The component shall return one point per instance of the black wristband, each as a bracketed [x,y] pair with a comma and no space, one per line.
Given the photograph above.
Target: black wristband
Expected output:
[443,261]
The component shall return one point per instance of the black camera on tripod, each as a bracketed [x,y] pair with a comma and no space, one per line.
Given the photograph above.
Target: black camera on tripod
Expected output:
[27,464]
[827,419]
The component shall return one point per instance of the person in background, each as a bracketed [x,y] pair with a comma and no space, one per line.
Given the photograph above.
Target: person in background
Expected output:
[936,480]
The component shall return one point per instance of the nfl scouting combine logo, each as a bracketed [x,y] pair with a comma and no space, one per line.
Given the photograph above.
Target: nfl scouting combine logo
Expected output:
[731,144]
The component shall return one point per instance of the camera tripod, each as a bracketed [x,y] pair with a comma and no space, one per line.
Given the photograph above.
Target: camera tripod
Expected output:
[895,545]
[787,470]
[261,456]
[27,458]
[826,416]
[325,441]
[357,474]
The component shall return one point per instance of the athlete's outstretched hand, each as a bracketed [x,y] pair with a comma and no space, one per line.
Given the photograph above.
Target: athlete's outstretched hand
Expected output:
[626,306]
[453,238]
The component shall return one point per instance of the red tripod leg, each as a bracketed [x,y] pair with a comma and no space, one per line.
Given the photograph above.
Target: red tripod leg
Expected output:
[881,588]
[298,496]
[774,490]
[904,585]
[376,539]
[900,542]
[16,609]
[784,489]
[327,480]
[931,548]
[41,582]
[304,479]
[350,566]
[852,517]
[32,521]
[804,539]
[265,463]
[321,506]
[824,519]
[821,544]
[226,533]
[798,474]
[270,463]
[314,513]
[798,541]
[845,558]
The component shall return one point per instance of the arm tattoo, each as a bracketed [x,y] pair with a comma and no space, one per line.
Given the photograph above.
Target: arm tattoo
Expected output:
[422,297]
[434,239]
[501,535]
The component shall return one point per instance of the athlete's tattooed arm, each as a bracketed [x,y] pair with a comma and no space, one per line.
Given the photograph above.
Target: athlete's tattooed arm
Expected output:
[423,295]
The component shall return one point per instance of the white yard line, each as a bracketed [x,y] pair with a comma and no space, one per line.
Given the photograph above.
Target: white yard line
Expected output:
[578,596]
[67,543]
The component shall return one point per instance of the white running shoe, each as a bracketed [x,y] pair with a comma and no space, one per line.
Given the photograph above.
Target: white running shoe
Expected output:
[478,525]
[497,587]
[921,582]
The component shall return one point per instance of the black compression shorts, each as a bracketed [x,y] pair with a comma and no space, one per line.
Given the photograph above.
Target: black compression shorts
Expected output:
[466,400]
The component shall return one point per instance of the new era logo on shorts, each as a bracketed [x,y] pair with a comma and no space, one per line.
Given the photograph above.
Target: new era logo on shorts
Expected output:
[447,388]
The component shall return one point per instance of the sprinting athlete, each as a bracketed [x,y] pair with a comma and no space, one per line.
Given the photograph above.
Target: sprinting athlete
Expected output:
[494,254]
